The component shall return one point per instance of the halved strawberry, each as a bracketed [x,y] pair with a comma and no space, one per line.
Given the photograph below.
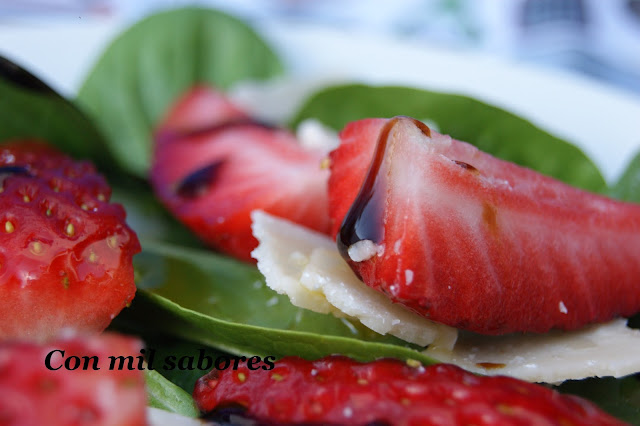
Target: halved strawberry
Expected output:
[37,388]
[213,165]
[198,109]
[338,390]
[65,251]
[474,242]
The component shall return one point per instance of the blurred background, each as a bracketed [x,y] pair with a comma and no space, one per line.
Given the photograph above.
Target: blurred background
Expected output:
[596,38]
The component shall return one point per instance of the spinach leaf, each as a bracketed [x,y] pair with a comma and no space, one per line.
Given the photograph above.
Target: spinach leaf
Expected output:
[628,186]
[29,108]
[143,71]
[491,129]
[167,396]
[180,361]
[232,291]
[197,364]
[248,340]
[216,301]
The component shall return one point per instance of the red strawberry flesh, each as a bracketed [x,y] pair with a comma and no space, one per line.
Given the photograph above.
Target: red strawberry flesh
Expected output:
[212,173]
[199,109]
[338,390]
[475,242]
[65,251]
[33,395]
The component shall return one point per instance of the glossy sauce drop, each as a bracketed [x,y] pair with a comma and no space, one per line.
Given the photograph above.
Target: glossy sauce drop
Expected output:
[13,170]
[236,415]
[7,171]
[197,183]
[364,220]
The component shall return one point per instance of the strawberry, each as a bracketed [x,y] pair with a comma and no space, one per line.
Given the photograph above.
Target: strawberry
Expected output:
[338,390]
[213,165]
[65,251]
[199,108]
[475,242]
[37,389]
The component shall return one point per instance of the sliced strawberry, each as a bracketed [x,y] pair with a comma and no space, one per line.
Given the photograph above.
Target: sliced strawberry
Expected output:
[213,165]
[199,109]
[36,388]
[478,243]
[65,251]
[338,390]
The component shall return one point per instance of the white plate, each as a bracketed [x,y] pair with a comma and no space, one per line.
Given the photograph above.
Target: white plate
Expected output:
[602,120]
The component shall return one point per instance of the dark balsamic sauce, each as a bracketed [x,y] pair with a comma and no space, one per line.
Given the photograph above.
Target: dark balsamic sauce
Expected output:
[198,182]
[364,219]
[236,415]
[14,170]
[232,415]
[466,166]
[7,171]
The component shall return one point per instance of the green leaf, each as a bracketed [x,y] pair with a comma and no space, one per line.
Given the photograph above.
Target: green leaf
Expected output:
[167,396]
[628,186]
[147,67]
[222,303]
[229,290]
[179,349]
[491,129]
[160,346]
[31,109]
[249,340]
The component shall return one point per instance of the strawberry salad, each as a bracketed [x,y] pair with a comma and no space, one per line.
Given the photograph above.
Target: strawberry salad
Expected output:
[389,268]
[388,253]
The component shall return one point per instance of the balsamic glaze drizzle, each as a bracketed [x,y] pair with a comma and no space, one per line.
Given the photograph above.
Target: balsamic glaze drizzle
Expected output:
[14,170]
[6,171]
[364,219]
[197,183]
[236,415]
